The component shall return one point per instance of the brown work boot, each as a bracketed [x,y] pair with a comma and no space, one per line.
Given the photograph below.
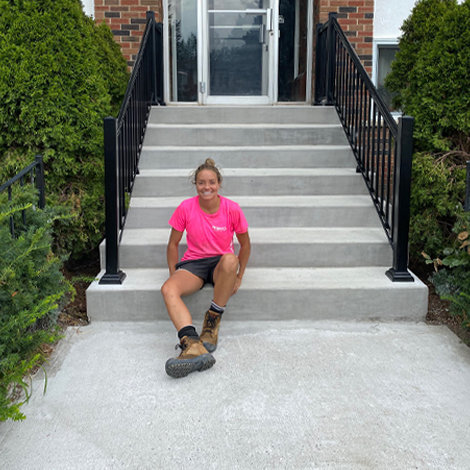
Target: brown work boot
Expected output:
[194,356]
[210,330]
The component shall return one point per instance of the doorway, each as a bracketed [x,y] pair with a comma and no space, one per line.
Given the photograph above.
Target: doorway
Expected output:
[238,51]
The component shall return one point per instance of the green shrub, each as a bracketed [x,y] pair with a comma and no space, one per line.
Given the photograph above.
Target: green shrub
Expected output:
[60,75]
[438,187]
[31,289]
[430,74]
[452,280]
[431,81]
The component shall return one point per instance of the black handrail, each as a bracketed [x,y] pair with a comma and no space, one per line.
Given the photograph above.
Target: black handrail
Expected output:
[467,189]
[123,138]
[35,171]
[383,148]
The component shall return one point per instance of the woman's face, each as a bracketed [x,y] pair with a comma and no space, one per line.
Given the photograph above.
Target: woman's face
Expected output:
[207,186]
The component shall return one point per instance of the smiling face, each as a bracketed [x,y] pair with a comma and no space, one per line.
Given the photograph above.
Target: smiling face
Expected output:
[207,185]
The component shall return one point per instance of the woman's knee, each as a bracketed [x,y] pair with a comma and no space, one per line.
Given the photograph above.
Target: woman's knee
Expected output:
[229,263]
[168,289]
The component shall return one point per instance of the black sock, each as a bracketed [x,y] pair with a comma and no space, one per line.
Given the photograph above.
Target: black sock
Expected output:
[216,308]
[188,331]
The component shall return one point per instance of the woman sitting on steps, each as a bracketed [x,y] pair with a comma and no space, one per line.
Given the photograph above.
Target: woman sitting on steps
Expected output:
[210,220]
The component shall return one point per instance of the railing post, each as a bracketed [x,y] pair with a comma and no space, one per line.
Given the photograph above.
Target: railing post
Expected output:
[113,275]
[40,184]
[159,59]
[150,15]
[330,60]
[318,67]
[467,191]
[402,190]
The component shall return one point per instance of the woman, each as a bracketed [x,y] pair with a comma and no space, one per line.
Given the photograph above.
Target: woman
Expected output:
[210,220]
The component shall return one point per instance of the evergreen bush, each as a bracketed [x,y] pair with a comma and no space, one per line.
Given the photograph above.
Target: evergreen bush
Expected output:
[431,80]
[31,290]
[60,75]
[452,278]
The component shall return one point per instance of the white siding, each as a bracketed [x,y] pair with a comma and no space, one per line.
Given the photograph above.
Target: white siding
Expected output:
[89,7]
[389,16]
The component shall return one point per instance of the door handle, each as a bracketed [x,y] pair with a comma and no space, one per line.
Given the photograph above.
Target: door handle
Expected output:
[269,19]
[262,30]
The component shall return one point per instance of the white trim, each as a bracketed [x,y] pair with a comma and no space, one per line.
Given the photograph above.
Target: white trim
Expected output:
[166,59]
[296,38]
[201,71]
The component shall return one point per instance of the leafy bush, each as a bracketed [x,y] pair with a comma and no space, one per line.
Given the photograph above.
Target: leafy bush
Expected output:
[430,74]
[60,75]
[31,288]
[438,187]
[431,81]
[452,282]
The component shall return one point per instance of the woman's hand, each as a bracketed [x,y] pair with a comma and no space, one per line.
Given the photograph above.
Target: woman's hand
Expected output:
[172,249]
[237,285]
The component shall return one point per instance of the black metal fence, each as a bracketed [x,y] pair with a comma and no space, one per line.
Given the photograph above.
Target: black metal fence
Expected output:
[383,148]
[33,174]
[123,139]
[467,189]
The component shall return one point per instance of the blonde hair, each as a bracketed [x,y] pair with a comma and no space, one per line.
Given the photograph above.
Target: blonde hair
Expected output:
[209,164]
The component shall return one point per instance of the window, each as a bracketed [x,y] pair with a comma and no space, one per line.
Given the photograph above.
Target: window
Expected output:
[384,53]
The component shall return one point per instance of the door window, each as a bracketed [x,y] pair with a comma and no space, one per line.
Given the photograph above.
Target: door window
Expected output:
[292,73]
[183,49]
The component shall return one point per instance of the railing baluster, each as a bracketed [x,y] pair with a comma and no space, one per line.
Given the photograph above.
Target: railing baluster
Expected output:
[467,189]
[35,172]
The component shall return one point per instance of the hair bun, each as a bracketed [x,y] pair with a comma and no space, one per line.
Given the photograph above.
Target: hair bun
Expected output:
[209,162]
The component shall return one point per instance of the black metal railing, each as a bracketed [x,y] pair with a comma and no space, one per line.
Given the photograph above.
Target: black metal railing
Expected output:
[33,174]
[383,148]
[123,139]
[467,189]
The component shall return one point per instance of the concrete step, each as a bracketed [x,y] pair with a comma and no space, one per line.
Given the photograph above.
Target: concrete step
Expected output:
[269,211]
[271,247]
[243,114]
[244,135]
[280,156]
[351,294]
[255,182]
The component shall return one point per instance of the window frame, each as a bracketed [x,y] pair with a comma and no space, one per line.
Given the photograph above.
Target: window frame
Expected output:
[377,43]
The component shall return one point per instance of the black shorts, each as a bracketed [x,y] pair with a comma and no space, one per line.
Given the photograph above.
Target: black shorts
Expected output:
[203,268]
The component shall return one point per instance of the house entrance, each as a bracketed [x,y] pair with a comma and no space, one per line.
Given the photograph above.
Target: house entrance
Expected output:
[238,51]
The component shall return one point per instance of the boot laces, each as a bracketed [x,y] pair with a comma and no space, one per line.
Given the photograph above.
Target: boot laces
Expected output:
[211,320]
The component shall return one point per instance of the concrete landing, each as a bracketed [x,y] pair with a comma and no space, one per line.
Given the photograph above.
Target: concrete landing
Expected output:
[282,395]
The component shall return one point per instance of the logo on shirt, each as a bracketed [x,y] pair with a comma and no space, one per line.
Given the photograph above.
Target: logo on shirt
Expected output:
[219,229]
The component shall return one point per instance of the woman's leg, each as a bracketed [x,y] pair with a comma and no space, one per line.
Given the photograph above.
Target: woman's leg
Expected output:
[179,284]
[225,275]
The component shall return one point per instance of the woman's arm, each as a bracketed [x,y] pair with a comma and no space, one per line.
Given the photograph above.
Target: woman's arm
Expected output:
[172,249]
[243,256]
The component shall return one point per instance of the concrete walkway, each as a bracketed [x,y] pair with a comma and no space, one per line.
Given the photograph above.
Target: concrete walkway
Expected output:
[282,395]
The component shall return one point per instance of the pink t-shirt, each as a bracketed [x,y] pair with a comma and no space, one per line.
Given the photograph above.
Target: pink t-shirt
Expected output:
[208,234]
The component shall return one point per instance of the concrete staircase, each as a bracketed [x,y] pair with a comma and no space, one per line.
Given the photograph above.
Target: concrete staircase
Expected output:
[318,249]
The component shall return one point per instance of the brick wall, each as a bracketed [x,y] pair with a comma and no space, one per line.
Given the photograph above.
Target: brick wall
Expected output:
[356,18]
[126,18]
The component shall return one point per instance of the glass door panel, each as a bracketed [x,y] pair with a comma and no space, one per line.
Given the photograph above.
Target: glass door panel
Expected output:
[183,38]
[237,54]
[293,37]
[235,4]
